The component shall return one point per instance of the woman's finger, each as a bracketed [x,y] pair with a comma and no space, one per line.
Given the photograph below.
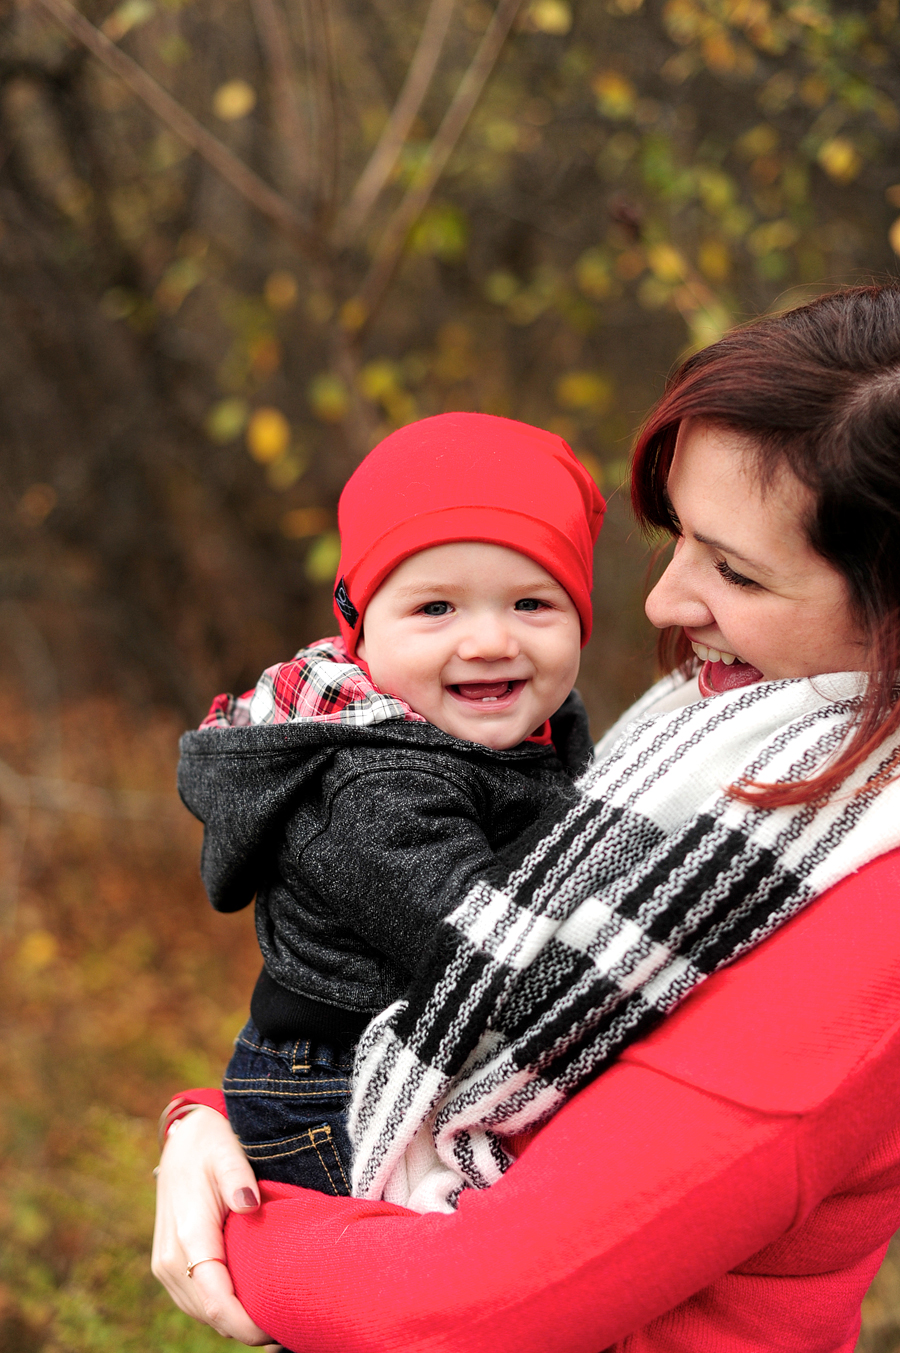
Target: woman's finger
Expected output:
[221,1308]
[202,1172]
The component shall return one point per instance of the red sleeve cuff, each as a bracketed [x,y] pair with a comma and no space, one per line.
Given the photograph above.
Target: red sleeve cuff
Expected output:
[183,1103]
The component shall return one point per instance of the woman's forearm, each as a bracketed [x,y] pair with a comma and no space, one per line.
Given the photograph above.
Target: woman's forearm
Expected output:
[575,1248]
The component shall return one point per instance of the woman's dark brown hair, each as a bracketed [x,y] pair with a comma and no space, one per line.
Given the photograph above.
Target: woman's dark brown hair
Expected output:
[818,390]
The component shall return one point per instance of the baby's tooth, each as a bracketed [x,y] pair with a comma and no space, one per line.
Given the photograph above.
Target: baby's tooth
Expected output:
[728,659]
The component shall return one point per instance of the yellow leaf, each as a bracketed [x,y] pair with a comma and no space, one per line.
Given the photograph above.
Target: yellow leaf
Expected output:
[616,95]
[762,139]
[584,390]
[353,314]
[323,558]
[501,135]
[500,287]
[37,950]
[176,283]
[234,100]
[666,262]
[280,290]
[719,52]
[378,379]
[840,159]
[551,16]
[772,235]
[302,522]
[708,326]
[328,397]
[226,420]
[811,17]
[592,274]
[894,236]
[126,16]
[268,435]
[714,258]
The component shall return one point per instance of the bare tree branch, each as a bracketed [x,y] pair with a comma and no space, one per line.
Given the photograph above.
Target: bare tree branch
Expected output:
[387,152]
[393,241]
[275,41]
[331,145]
[251,187]
[320,57]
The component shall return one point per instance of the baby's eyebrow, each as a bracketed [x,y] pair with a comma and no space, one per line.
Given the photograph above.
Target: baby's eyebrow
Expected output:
[437,589]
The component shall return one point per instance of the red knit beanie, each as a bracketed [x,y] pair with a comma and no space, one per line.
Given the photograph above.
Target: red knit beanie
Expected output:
[466,476]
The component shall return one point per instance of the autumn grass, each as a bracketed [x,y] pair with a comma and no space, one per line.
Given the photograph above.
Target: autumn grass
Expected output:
[119,985]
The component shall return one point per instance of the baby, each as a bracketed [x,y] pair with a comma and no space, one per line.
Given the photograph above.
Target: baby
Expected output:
[363,785]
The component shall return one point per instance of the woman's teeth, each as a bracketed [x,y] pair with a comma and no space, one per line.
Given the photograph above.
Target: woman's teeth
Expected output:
[713,655]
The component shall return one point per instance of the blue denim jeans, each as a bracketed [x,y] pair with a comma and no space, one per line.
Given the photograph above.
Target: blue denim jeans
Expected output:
[287,1102]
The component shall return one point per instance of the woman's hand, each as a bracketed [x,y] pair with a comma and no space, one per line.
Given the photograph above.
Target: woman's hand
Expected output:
[203,1174]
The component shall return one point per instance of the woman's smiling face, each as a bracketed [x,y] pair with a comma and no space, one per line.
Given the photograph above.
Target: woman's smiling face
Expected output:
[744,581]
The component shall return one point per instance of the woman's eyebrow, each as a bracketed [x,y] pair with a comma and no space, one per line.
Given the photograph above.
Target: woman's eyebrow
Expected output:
[755,564]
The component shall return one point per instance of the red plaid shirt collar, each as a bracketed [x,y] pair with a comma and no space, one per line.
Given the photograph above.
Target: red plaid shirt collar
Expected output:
[320,682]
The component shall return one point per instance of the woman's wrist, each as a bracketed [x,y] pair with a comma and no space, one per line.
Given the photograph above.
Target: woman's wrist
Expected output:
[179,1106]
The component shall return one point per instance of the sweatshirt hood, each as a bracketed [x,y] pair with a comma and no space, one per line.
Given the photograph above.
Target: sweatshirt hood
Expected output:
[244,781]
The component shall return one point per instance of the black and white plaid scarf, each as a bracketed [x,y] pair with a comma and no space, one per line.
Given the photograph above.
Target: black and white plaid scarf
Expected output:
[601,922]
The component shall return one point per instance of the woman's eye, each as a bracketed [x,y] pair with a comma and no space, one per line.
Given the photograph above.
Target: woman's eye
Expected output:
[530,604]
[725,571]
[436,608]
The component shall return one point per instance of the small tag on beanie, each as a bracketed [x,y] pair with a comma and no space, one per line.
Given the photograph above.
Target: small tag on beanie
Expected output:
[345,605]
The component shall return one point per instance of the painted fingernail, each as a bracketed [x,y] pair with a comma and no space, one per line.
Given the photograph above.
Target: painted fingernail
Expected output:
[245,1198]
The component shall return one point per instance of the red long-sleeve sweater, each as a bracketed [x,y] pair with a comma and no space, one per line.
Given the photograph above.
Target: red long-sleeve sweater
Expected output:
[729,1185]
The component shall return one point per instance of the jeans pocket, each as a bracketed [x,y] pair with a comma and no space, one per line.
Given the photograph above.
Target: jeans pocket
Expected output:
[309,1159]
[287,1102]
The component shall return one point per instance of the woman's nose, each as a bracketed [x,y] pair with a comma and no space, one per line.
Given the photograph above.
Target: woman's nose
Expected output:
[676,599]
[487,639]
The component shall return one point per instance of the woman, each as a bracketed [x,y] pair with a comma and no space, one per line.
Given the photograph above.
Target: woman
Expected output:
[732,1181]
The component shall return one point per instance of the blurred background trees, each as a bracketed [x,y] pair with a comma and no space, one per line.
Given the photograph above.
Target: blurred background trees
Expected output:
[240,241]
[243,239]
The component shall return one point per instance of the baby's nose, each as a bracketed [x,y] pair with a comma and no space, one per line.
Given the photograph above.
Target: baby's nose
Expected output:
[487,639]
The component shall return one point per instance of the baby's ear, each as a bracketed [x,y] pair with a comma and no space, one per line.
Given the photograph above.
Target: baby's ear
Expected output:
[361,647]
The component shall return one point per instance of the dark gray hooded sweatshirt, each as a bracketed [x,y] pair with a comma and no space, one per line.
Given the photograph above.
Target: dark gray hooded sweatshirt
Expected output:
[355,841]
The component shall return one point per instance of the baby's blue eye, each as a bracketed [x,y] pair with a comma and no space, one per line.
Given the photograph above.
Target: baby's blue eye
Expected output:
[529,604]
[436,608]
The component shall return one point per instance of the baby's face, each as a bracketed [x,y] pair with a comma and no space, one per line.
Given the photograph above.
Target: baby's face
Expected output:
[478,639]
